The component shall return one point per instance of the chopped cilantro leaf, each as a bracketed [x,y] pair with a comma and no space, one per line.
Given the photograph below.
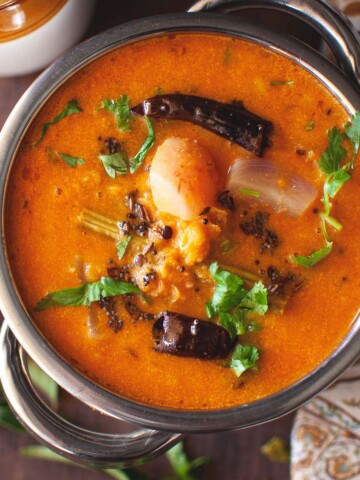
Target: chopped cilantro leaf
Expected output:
[115,163]
[244,357]
[352,130]
[337,174]
[136,161]
[253,327]
[70,160]
[256,299]
[315,257]
[331,159]
[87,293]
[232,302]
[70,108]
[234,322]
[310,126]
[121,247]
[228,292]
[335,181]
[121,109]
[331,221]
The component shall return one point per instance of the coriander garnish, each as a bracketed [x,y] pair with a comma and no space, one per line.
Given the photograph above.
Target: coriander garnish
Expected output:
[315,257]
[121,109]
[244,357]
[310,125]
[70,108]
[352,130]
[232,303]
[331,163]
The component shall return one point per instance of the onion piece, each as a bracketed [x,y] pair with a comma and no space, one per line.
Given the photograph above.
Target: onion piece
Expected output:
[282,190]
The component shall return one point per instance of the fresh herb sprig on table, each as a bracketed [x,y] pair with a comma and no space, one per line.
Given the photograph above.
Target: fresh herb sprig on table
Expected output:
[182,467]
[87,293]
[70,109]
[337,174]
[233,303]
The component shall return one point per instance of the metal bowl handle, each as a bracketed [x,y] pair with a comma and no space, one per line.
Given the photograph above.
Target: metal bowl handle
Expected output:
[76,443]
[329,21]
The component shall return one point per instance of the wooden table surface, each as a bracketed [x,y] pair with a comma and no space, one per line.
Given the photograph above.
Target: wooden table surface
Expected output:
[234,455]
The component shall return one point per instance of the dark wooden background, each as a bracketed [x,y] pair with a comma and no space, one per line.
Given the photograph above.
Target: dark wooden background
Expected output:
[234,455]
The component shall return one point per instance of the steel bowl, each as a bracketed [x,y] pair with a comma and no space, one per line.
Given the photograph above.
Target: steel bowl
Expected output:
[160,427]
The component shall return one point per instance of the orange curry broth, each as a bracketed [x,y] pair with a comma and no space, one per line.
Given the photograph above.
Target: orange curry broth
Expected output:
[45,197]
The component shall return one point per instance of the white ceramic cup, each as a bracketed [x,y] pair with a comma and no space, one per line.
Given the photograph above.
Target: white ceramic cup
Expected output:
[37,49]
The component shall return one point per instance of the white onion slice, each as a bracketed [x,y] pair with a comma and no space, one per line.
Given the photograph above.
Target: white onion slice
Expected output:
[281,190]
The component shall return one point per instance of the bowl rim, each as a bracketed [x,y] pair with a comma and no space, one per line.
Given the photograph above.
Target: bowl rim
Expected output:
[30,337]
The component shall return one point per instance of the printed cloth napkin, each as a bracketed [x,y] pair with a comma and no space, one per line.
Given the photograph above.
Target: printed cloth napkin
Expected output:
[325,440]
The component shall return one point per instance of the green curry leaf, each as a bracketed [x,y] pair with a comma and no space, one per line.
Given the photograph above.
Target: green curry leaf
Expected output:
[70,160]
[87,293]
[138,159]
[70,109]
[115,163]
[122,246]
